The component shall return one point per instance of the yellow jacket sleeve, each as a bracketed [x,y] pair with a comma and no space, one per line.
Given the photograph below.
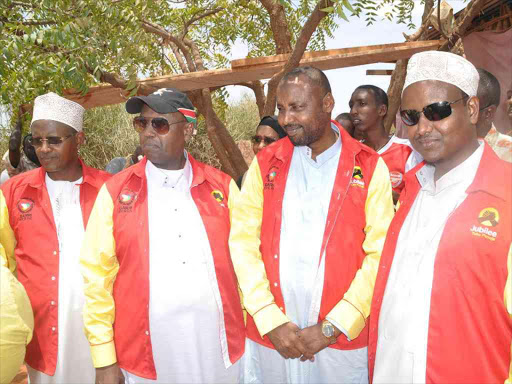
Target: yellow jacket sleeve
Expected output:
[17,324]
[244,243]
[508,305]
[99,266]
[7,239]
[353,310]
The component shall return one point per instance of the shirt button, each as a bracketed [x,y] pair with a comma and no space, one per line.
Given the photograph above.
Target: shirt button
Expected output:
[147,333]
[52,302]
[275,256]
[275,284]
[54,252]
[53,329]
[53,278]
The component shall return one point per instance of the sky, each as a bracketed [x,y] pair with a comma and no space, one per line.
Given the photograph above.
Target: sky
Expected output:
[353,34]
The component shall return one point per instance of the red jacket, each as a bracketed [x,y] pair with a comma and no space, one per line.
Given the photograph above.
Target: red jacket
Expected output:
[37,253]
[131,288]
[470,330]
[344,234]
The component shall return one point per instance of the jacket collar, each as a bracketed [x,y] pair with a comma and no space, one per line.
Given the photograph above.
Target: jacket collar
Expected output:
[87,175]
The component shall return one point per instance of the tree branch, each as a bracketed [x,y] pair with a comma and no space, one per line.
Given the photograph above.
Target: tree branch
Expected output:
[278,25]
[300,46]
[259,92]
[463,22]
[198,16]
[168,37]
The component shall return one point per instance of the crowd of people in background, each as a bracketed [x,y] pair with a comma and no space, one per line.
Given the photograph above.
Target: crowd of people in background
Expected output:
[345,254]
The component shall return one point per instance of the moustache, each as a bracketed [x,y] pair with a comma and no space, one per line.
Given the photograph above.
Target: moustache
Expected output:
[291,127]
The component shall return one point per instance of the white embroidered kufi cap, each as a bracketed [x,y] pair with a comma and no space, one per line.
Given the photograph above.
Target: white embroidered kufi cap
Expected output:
[443,66]
[54,107]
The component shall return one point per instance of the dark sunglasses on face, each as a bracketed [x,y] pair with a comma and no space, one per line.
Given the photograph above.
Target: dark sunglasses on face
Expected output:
[160,124]
[51,140]
[259,139]
[433,112]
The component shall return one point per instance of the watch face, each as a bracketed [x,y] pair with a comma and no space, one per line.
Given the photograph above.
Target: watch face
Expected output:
[328,330]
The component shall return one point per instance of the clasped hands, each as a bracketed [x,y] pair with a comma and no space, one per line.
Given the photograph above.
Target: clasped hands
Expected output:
[292,342]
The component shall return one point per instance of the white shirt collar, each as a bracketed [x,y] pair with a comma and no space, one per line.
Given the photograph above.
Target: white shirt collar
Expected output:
[180,179]
[465,171]
[326,155]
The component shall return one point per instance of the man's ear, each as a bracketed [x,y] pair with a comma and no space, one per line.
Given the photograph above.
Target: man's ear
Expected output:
[80,139]
[383,110]
[490,112]
[328,103]
[473,106]
[188,131]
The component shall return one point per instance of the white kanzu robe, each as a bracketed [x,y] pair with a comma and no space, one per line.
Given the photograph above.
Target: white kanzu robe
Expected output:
[404,319]
[305,207]
[74,362]
[184,310]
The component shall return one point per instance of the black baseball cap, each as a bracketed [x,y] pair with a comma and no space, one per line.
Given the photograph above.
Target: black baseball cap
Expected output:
[165,100]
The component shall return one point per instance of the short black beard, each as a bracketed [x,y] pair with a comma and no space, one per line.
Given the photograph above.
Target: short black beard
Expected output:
[307,138]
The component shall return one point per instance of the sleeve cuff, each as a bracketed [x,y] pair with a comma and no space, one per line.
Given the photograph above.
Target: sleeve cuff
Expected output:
[103,355]
[269,318]
[339,326]
[347,319]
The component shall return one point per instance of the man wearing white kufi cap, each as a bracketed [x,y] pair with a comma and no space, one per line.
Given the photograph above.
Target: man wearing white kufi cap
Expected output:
[442,304]
[43,214]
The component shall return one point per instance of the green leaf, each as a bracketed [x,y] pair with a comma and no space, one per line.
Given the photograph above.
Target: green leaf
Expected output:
[328,9]
[346,4]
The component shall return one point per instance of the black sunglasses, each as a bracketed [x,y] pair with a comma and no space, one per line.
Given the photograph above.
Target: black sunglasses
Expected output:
[433,112]
[258,139]
[50,140]
[160,124]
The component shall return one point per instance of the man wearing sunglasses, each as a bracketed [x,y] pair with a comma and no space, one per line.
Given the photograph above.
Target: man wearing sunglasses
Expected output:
[306,238]
[442,305]
[43,214]
[368,108]
[489,94]
[156,259]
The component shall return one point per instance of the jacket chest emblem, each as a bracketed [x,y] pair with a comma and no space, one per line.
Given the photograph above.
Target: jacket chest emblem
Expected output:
[25,206]
[269,179]
[357,178]
[126,199]
[218,196]
[396,178]
[488,218]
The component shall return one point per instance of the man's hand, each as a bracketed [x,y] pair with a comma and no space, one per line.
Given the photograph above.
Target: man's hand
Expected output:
[109,375]
[286,341]
[314,340]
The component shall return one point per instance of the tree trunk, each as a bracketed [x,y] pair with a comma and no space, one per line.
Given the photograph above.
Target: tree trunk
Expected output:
[396,84]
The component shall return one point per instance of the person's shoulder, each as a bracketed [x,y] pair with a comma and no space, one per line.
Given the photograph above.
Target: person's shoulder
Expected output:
[212,172]
[98,173]
[22,179]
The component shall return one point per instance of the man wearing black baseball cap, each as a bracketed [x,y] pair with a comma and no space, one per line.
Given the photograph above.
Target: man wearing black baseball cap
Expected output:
[156,258]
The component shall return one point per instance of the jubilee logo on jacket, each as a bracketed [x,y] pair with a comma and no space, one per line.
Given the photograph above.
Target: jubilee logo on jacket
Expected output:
[271,175]
[25,205]
[126,199]
[357,178]
[488,218]
[218,196]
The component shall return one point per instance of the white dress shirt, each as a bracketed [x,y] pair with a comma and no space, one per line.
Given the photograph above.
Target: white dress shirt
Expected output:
[185,310]
[404,318]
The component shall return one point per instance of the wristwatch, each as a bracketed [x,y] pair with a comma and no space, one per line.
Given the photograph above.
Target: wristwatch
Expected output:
[328,331]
